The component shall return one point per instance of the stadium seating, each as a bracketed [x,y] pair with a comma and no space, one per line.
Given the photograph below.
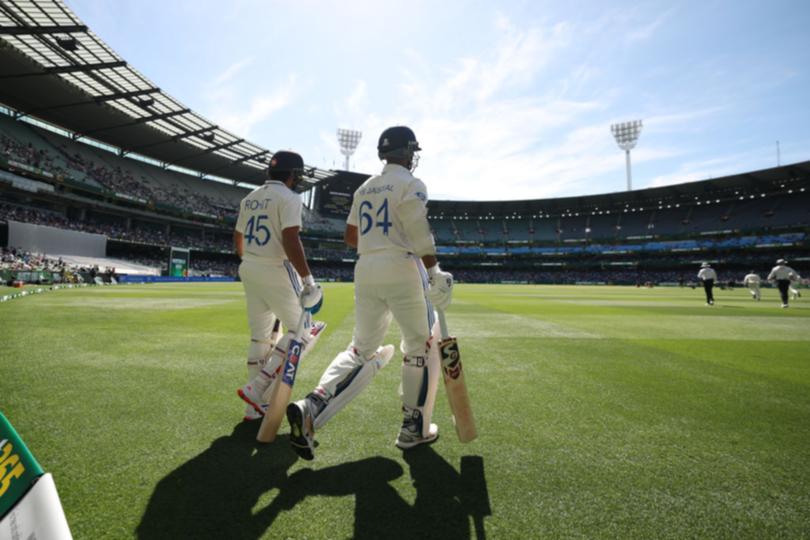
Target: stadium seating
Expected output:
[142,208]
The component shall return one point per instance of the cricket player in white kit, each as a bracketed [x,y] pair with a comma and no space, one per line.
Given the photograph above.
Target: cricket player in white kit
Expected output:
[272,270]
[752,281]
[708,277]
[396,275]
[782,274]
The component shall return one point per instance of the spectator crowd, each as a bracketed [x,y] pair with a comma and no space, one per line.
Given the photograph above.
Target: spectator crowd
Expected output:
[116,178]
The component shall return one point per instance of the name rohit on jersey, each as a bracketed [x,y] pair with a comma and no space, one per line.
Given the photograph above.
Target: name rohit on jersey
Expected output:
[374,190]
[260,204]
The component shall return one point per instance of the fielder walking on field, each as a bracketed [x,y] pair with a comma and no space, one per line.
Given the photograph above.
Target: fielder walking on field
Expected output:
[708,277]
[272,270]
[752,281]
[782,274]
[396,275]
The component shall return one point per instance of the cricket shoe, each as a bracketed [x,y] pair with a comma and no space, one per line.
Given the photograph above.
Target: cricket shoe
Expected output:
[410,434]
[253,397]
[252,414]
[302,438]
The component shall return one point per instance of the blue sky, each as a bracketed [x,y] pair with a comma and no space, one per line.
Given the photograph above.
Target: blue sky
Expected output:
[509,100]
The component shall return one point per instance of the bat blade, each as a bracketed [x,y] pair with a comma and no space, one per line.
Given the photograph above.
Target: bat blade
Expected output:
[456,387]
[280,397]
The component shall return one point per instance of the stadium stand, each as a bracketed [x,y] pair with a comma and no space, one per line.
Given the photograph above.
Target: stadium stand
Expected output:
[638,232]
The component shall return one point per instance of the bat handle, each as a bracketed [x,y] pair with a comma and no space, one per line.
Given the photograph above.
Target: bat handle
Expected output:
[443,324]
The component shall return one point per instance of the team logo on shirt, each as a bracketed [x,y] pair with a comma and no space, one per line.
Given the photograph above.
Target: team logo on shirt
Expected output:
[421,196]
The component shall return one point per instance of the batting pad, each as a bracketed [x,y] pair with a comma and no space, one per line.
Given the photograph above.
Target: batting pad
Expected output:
[343,380]
[420,381]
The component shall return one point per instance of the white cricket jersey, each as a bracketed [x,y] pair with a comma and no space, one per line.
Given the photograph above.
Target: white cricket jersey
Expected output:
[751,279]
[783,272]
[263,214]
[707,273]
[390,213]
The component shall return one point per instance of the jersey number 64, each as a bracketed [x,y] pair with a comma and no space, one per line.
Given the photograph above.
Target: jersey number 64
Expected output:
[367,221]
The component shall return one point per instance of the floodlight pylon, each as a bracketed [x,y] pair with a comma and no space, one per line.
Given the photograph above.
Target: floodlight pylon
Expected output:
[348,140]
[626,135]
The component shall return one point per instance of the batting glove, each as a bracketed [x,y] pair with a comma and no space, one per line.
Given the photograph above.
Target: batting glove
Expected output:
[311,295]
[440,292]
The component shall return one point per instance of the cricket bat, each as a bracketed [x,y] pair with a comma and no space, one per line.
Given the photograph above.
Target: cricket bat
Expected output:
[280,396]
[455,385]
[274,336]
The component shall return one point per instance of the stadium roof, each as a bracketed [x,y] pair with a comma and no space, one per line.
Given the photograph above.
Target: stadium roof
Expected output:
[763,181]
[53,67]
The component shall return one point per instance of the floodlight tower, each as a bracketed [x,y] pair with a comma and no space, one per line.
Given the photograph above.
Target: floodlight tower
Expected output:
[626,135]
[348,139]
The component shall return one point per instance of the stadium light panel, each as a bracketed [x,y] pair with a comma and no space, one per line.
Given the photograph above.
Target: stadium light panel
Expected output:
[348,139]
[626,135]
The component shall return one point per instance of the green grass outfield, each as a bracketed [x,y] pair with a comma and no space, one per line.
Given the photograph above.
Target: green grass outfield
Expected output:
[603,412]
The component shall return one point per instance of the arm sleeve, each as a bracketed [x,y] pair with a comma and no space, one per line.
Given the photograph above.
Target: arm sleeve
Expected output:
[291,213]
[771,275]
[240,221]
[352,217]
[412,211]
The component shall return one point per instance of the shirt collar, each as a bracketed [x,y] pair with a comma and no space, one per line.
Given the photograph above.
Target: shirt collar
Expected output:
[391,167]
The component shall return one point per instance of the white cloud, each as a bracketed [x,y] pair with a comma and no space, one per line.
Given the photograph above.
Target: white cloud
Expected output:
[692,171]
[681,121]
[230,72]
[482,129]
[231,113]
[648,30]
[357,99]
[504,125]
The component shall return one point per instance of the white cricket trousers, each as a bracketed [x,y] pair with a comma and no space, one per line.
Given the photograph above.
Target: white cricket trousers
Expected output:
[386,284]
[271,287]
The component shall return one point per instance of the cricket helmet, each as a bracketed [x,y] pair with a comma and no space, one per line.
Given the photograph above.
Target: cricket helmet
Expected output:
[285,161]
[397,142]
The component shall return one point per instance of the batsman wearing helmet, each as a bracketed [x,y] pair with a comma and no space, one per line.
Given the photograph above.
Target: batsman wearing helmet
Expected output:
[274,273]
[396,276]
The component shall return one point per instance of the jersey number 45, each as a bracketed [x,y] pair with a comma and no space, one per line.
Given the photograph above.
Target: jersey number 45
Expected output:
[256,231]
[367,221]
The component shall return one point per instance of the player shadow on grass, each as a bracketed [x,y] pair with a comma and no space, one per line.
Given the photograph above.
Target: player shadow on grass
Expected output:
[444,498]
[215,494]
